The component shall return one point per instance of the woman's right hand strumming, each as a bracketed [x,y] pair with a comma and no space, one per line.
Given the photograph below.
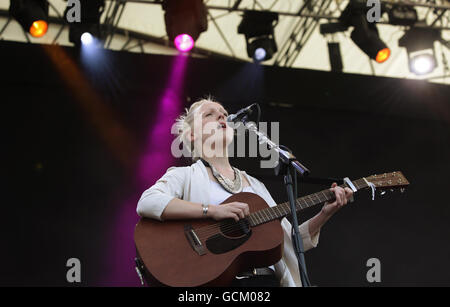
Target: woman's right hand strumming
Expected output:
[234,210]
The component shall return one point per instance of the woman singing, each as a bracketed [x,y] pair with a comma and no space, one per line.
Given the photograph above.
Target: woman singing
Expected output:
[196,191]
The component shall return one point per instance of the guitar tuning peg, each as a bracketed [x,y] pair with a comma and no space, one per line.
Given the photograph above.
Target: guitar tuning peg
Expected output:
[392,190]
[402,190]
[382,193]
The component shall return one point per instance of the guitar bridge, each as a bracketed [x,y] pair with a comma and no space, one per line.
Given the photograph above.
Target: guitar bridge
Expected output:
[193,240]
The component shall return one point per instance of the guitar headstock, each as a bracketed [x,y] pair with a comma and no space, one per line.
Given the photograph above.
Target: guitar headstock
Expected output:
[389,181]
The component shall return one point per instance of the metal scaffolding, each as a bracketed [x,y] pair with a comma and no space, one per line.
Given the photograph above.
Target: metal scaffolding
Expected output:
[436,13]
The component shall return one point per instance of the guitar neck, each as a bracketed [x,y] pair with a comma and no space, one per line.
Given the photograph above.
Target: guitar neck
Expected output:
[284,209]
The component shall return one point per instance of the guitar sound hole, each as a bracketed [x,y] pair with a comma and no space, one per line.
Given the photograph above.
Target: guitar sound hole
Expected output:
[232,229]
[232,235]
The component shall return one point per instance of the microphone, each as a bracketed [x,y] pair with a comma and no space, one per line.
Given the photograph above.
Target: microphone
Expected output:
[239,116]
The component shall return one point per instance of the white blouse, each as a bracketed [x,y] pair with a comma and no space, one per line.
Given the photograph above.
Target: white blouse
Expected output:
[192,183]
[219,194]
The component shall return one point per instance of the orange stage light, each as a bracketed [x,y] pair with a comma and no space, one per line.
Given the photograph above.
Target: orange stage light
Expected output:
[38,28]
[383,55]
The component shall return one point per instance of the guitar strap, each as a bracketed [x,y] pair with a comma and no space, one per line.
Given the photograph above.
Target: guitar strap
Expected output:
[205,163]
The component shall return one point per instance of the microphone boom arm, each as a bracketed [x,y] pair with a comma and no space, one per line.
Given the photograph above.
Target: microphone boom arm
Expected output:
[285,157]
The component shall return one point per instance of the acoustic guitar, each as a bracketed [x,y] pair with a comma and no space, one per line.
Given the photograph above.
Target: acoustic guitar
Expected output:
[205,252]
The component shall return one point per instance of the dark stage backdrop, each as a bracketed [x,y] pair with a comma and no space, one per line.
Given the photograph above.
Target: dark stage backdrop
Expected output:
[85,134]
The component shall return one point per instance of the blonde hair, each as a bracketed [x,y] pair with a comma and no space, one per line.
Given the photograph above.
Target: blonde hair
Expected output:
[185,121]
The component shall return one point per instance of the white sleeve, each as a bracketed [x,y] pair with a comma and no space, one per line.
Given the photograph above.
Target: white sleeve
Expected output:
[308,241]
[155,199]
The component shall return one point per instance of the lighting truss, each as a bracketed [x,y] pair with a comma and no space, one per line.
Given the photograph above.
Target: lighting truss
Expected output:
[307,19]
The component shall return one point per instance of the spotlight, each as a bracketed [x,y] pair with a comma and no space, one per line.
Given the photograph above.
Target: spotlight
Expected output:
[258,28]
[32,15]
[365,36]
[262,49]
[419,44]
[185,20]
[422,64]
[87,38]
[38,28]
[383,55]
[402,15]
[86,31]
[260,54]
[184,42]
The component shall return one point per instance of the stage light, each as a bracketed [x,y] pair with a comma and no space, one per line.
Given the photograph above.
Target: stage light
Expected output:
[422,64]
[87,38]
[38,28]
[261,49]
[419,44]
[89,29]
[258,28]
[260,54]
[32,15]
[184,42]
[185,20]
[402,15]
[365,36]
[383,55]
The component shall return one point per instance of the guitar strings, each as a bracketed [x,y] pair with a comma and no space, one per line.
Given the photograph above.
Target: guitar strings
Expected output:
[224,226]
[216,228]
[227,225]
[232,225]
[212,229]
[235,225]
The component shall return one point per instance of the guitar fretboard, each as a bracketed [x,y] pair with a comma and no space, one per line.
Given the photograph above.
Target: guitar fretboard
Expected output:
[284,210]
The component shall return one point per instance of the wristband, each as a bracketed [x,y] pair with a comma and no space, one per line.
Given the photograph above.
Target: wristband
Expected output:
[205,209]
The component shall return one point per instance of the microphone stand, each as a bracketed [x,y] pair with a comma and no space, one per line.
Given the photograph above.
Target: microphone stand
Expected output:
[286,164]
